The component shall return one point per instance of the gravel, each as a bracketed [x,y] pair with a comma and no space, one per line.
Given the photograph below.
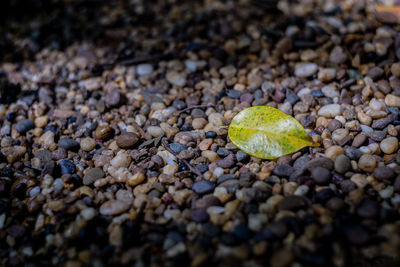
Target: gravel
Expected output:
[116,150]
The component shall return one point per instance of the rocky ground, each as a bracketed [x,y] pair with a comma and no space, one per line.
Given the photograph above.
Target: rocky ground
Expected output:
[114,150]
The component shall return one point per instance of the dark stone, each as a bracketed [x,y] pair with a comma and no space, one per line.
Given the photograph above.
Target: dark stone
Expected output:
[357,235]
[301,162]
[242,156]
[293,203]
[242,232]
[211,134]
[226,163]
[16,230]
[396,184]
[247,176]
[347,186]
[68,144]
[114,99]
[202,168]
[223,152]
[368,209]
[127,140]
[179,104]
[334,125]
[384,173]
[352,153]
[324,195]
[375,73]
[43,154]
[335,204]
[177,147]
[200,215]
[321,176]
[382,123]
[317,94]
[235,94]
[291,97]
[67,167]
[203,187]
[59,154]
[24,126]
[283,170]
[320,162]
[226,177]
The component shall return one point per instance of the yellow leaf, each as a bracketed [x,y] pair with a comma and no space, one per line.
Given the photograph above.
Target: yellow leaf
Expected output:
[267,133]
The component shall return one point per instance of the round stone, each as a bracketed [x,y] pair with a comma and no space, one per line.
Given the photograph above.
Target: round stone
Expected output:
[321,175]
[127,140]
[367,163]
[389,145]
[342,164]
[87,144]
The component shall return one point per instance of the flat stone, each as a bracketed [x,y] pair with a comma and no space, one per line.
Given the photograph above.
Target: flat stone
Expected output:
[305,69]
[127,140]
[203,187]
[114,207]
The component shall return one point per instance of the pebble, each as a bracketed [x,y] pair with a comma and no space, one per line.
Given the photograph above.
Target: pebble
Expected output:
[367,163]
[104,132]
[326,163]
[199,123]
[326,75]
[329,111]
[144,69]
[384,173]
[24,125]
[389,145]
[87,144]
[395,69]
[333,151]
[305,69]
[284,170]
[392,101]
[342,164]
[92,175]
[293,203]
[375,73]
[177,147]
[68,144]
[226,163]
[122,159]
[67,167]
[359,140]
[114,99]
[155,131]
[175,78]
[127,140]
[203,187]
[321,176]
[114,207]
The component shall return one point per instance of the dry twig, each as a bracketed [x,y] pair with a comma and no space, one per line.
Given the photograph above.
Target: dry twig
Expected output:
[191,168]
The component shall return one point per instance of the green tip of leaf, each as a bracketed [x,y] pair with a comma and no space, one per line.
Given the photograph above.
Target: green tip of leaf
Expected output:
[267,133]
